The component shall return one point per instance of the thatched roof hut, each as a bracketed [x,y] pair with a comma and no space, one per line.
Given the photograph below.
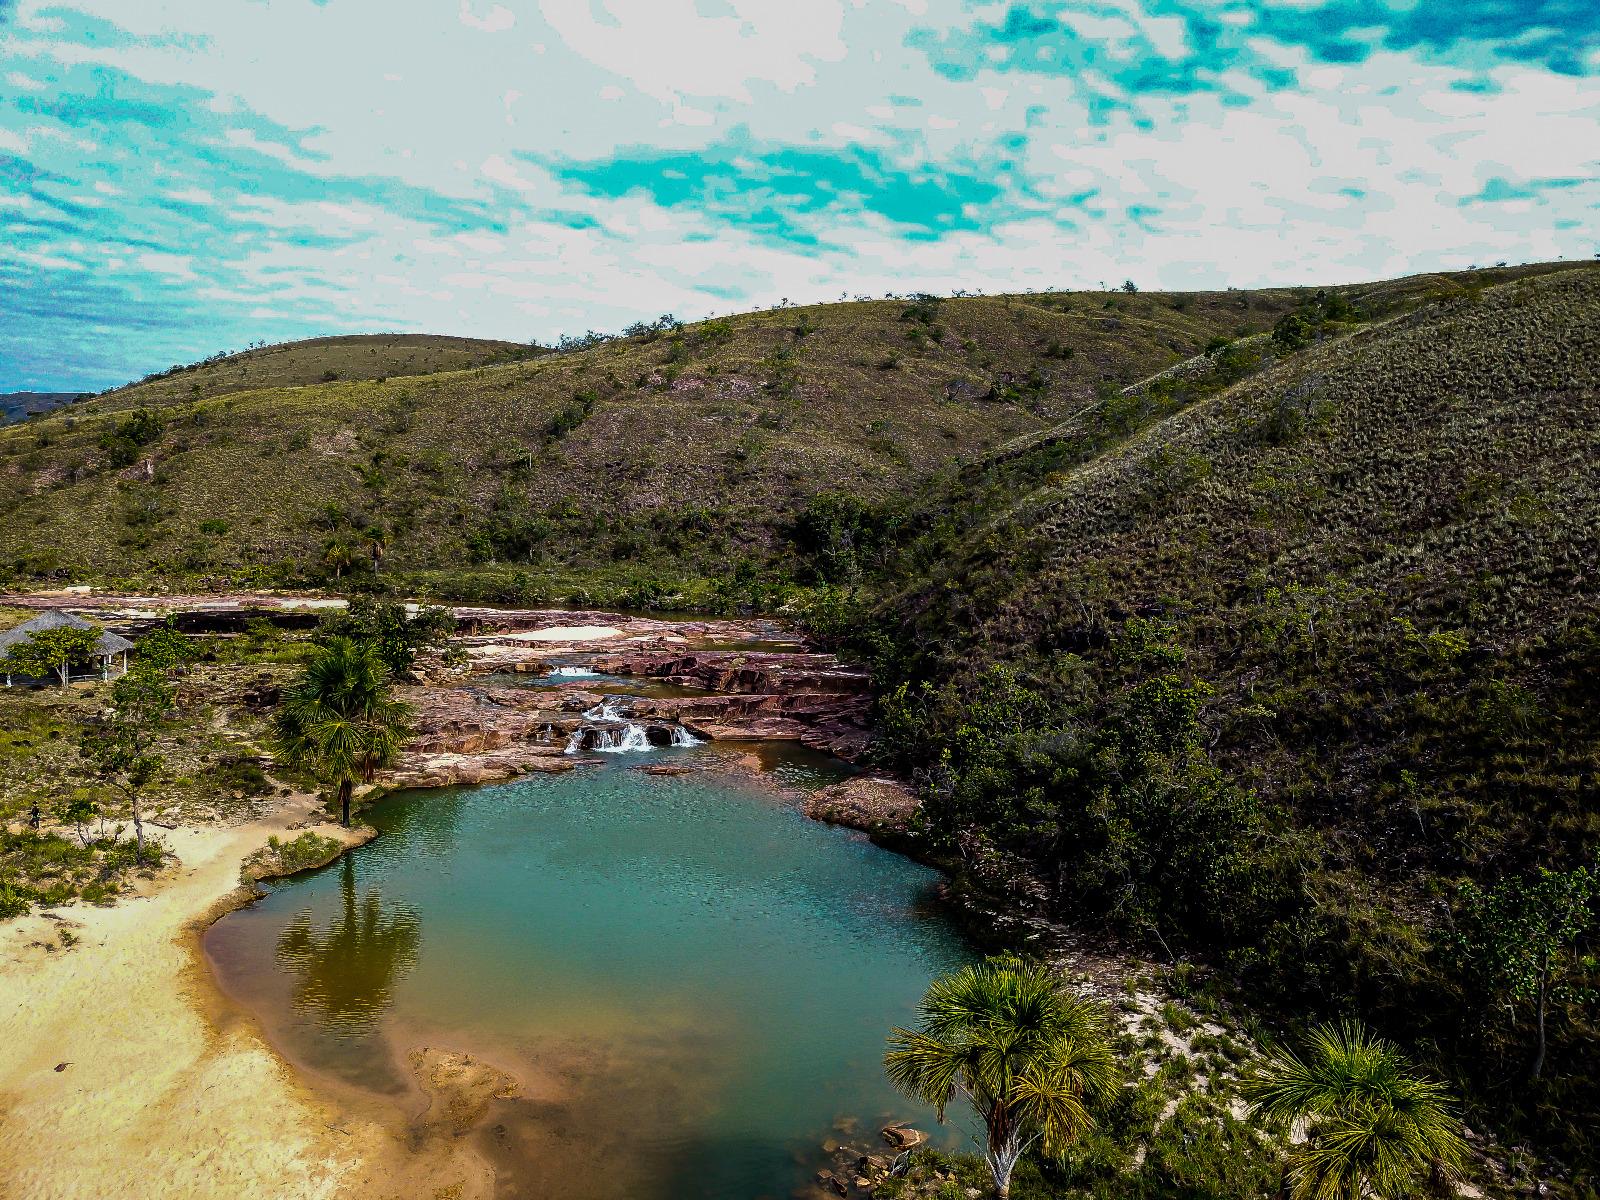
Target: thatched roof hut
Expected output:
[108,645]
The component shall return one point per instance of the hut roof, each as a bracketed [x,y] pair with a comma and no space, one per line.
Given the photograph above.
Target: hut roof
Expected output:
[108,642]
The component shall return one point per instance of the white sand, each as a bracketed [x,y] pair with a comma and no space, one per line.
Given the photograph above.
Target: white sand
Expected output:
[158,1099]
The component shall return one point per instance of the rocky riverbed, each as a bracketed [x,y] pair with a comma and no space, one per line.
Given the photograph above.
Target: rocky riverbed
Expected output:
[550,691]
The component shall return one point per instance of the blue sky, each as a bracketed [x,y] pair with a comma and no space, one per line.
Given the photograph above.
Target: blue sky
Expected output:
[179,177]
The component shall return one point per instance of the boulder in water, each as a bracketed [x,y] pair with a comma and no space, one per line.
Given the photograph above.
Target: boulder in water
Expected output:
[902,1136]
[832,1183]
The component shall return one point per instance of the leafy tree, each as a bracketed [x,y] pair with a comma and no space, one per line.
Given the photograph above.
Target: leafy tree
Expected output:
[1294,330]
[339,719]
[164,649]
[1522,941]
[1010,1038]
[1374,1127]
[120,744]
[53,651]
[78,807]
[841,537]
[398,634]
[123,441]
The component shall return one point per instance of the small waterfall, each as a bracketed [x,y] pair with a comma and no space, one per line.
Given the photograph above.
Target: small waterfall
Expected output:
[607,729]
[632,739]
[571,673]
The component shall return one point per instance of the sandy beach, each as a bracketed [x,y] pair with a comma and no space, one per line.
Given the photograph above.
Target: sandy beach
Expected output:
[166,1091]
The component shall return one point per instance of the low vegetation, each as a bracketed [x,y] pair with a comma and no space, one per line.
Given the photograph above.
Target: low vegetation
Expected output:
[44,869]
[1291,676]
[305,852]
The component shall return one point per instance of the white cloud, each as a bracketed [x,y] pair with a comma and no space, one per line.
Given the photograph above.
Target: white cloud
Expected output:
[498,20]
[1356,170]
[668,48]
[496,168]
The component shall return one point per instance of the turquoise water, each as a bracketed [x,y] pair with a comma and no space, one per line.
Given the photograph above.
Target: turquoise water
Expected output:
[691,981]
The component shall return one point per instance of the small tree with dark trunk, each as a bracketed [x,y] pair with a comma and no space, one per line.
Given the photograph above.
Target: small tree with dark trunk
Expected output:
[1523,942]
[120,744]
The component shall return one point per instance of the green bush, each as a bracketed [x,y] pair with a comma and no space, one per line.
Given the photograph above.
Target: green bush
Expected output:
[14,902]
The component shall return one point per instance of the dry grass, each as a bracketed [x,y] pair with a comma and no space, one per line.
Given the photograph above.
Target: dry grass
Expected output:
[690,449]
[314,360]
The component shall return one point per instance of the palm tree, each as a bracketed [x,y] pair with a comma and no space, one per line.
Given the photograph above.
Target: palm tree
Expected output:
[338,553]
[377,541]
[1019,1046]
[339,718]
[1373,1127]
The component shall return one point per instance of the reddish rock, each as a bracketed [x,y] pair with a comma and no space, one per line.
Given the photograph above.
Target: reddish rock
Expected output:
[874,803]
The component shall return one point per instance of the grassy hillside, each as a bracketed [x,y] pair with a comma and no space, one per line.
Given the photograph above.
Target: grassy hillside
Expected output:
[1258,627]
[676,451]
[314,360]
[1266,658]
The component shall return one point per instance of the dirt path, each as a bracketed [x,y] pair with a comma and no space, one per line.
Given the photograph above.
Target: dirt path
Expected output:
[158,1097]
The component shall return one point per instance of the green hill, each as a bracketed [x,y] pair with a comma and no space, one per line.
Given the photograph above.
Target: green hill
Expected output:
[674,451]
[645,469]
[1264,669]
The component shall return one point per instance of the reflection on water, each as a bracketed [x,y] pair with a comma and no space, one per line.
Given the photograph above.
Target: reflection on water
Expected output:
[346,971]
[689,981]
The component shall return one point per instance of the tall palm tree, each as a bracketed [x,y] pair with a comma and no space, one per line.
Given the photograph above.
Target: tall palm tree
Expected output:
[339,718]
[1373,1127]
[376,539]
[1028,1054]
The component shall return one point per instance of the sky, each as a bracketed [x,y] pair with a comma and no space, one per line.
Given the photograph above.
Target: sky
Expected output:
[181,177]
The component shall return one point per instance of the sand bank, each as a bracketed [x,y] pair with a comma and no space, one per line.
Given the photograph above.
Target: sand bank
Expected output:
[167,1092]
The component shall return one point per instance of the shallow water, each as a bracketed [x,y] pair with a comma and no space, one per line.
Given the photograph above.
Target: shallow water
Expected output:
[692,981]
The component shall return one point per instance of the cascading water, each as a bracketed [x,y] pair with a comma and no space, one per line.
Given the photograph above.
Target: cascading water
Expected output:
[606,729]
[631,739]
[572,673]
